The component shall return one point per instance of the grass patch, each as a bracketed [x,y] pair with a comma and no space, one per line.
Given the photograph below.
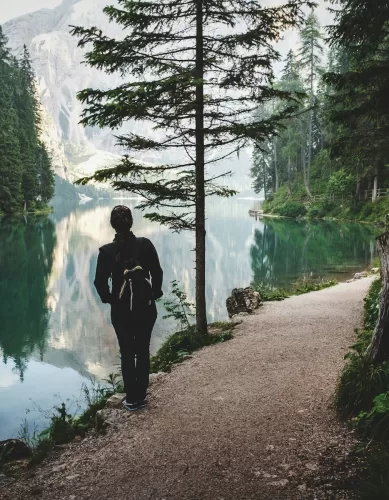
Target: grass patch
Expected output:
[181,344]
[301,286]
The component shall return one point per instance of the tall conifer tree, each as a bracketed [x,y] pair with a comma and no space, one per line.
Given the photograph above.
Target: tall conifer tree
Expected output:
[27,107]
[195,70]
[10,161]
[310,60]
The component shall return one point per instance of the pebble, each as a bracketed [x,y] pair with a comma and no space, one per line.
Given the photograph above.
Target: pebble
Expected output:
[59,468]
[281,482]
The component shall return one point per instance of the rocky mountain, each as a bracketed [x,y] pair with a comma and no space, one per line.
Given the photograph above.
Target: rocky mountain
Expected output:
[58,64]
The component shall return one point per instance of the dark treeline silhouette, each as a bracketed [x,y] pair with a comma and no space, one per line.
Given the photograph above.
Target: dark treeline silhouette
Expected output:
[26,176]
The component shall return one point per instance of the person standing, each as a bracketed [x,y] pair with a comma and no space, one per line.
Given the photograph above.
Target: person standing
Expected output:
[132,265]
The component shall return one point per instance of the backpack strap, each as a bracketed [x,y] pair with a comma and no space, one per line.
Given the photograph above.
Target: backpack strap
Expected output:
[134,251]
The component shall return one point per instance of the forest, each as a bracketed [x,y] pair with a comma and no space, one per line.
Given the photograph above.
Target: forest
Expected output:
[331,157]
[26,175]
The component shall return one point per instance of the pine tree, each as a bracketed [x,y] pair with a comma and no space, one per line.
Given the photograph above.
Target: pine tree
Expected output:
[310,60]
[261,171]
[10,160]
[46,174]
[27,106]
[196,71]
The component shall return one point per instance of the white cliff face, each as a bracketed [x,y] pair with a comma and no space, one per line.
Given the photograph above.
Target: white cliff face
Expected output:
[61,74]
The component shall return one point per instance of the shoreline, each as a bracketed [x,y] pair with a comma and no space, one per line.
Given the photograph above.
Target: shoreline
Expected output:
[325,219]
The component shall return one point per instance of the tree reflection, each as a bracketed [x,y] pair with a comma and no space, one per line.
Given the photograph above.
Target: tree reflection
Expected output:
[286,250]
[26,258]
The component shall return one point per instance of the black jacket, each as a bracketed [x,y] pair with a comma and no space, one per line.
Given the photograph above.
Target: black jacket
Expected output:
[108,267]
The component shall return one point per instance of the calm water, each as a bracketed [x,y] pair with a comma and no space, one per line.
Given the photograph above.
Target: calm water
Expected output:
[55,334]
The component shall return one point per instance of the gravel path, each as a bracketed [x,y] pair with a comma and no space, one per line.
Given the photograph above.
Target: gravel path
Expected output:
[248,419]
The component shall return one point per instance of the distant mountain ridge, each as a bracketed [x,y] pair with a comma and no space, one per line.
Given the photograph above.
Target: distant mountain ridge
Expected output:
[57,62]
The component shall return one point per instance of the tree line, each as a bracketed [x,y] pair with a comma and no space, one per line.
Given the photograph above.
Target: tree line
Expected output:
[337,142]
[26,175]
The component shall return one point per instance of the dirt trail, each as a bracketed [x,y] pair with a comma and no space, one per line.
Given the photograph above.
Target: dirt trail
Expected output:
[248,419]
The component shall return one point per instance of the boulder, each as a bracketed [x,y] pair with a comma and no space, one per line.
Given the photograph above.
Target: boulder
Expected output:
[108,417]
[243,300]
[359,276]
[14,449]
[375,270]
[115,401]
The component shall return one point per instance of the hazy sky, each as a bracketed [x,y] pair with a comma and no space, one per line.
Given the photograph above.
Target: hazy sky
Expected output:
[15,8]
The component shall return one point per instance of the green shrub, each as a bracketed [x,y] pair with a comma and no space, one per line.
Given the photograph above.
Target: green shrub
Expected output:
[269,294]
[375,423]
[372,305]
[307,285]
[328,206]
[292,209]
[375,486]
[315,212]
[361,382]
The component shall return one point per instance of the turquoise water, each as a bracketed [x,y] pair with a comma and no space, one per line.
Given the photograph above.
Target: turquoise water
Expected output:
[54,332]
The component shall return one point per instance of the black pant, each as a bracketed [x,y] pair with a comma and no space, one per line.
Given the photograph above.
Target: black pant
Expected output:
[134,333]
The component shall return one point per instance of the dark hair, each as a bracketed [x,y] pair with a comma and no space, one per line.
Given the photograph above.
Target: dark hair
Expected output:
[121,219]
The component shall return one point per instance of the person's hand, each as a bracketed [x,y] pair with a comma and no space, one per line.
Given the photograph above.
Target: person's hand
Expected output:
[157,295]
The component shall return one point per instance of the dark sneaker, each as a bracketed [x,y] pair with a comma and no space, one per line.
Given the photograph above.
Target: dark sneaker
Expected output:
[142,403]
[130,406]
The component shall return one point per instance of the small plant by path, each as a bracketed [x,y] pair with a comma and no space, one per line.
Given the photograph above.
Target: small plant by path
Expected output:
[66,421]
[181,344]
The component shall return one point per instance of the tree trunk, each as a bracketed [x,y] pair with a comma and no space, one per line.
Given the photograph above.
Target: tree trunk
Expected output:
[310,138]
[374,197]
[289,178]
[378,350]
[277,179]
[304,167]
[264,175]
[289,171]
[358,188]
[201,310]
[358,191]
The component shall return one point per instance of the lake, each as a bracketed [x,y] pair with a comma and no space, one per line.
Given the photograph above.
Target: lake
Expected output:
[54,332]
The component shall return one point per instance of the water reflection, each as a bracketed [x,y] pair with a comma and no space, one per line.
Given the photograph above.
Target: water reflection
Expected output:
[285,250]
[26,258]
[55,333]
